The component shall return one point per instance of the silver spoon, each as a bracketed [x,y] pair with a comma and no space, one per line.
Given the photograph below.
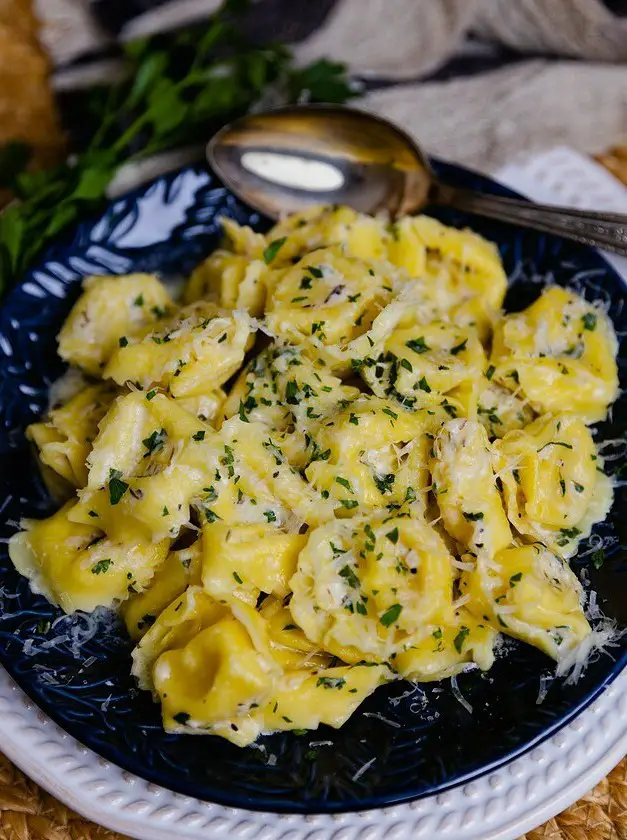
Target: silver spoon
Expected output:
[287,159]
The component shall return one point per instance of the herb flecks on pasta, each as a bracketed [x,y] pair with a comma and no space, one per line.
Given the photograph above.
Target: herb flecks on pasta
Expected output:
[334,463]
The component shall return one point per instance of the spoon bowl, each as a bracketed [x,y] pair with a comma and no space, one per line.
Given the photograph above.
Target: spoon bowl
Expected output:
[288,159]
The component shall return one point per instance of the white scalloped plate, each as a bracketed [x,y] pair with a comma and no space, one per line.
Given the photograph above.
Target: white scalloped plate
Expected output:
[498,806]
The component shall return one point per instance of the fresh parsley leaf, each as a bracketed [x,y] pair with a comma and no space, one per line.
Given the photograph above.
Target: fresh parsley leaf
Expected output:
[273,249]
[589,321]
[393,536]
[154,442]
[101,566]
[117,487]
[460,638]
[418,345]
[391,615]
[331,682]
[349,575]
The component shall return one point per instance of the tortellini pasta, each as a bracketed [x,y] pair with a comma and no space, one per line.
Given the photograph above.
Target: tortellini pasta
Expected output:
[150,459]
[553,485]
[196,350]
[561,354]
[532,594]
[363,586]
[325,301]
[65,438]
[422,364]
[111,310]
[333,464]
[77,567]
[465,488]
[235,277]
[369,454]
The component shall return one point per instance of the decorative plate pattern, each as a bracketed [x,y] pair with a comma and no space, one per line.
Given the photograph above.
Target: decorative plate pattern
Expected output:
[405,742]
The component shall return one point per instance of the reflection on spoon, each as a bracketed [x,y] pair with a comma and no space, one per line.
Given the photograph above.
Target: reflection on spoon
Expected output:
[293,171]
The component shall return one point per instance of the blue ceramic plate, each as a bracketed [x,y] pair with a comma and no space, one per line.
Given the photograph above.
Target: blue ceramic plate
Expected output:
[78,668]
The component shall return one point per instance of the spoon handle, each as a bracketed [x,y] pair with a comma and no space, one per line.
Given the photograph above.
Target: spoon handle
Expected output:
[602,230]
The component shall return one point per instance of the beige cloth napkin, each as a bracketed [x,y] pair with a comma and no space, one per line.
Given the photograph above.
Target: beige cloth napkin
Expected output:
[489,119]
[564,83]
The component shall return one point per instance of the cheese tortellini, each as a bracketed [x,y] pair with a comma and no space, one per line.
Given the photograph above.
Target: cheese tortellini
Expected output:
[334,463]
[560,353]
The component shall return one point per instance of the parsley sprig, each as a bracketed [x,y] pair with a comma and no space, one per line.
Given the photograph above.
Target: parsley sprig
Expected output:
[177,90]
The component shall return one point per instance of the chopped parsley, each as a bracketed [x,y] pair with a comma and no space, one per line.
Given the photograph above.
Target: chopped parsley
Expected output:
[473,517]
[291,392]
[273,249]
[589,321]
[567,534]
[459,347]
[349,575]
[418,345]
[391,615]
[384,482]
[555,443]
[117,487]
[200,435]
[598,558]
[154,441]
[101,566]
[227,460]
[331,682]
[237,578]
[459,640]
[393,536]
